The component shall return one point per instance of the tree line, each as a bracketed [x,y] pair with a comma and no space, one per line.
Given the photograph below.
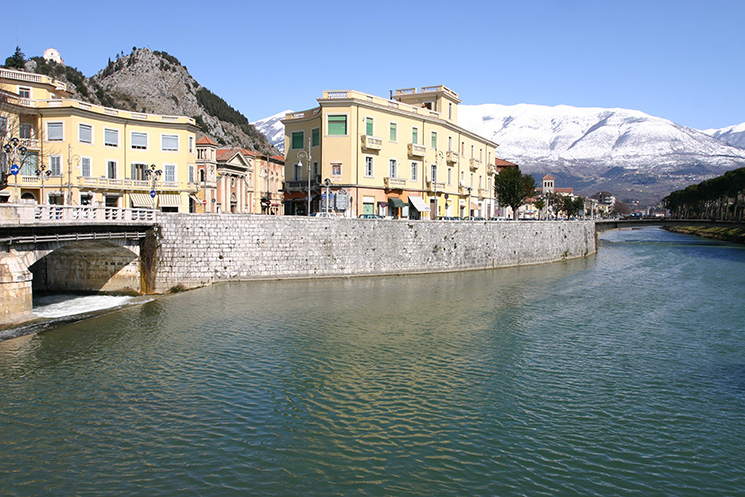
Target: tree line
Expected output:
[721,198]
[513,188]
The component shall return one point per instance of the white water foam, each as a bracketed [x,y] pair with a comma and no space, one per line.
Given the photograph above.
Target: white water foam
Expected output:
[58,306]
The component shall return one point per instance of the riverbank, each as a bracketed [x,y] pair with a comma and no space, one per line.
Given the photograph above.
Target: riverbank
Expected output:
[734,235]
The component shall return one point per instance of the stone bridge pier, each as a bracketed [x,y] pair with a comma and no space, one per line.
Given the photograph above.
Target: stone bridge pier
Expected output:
[15,289]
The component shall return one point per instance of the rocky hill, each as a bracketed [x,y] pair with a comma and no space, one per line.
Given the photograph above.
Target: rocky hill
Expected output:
[156,82]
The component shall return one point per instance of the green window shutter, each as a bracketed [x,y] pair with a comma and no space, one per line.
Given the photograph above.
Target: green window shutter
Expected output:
[369,126]
[337,125]
[414,135]
[394,134]
[298,137]
[316,137]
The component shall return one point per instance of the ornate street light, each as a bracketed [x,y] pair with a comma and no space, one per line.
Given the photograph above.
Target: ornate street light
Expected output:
[327,182]
[12,150]
[42,172]
[153,173]
[300,155]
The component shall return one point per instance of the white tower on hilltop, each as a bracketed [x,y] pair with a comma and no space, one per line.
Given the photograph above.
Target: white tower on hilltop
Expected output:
[53,54]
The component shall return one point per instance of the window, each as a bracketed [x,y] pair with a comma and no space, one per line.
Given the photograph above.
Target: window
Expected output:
[337,125]
[450,110]
[413,171]
[471,185]
[463,178]
[29,164]
[434,140]
[55,165]
[191,171]
[139,140]
[24,92]
[24,131]
[315,168]
[169,173]
[298,138]
[315,136]
[191,144]
[369,126]
[433,173]
[450,176]
[369,167]
[392,168]
[450,143]
[85,133]
[139,171]
[85,166]
[414,135]
[169,143]
[3,125]
[393,133]
[200,153]
[111,137]
[111,169]
[55,132]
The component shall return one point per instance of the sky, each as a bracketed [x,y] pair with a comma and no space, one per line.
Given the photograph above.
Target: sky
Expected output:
[681,60]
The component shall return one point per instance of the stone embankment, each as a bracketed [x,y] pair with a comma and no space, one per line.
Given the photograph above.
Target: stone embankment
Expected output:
[198,250]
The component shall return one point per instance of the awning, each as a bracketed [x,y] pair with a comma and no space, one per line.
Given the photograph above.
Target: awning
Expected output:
[396,203]
[195,199]
[418,203]
[140,200]
[169,200]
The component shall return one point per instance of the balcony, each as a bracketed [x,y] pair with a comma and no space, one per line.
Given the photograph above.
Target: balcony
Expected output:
[416,150]
[451,157]
[434,186]
[491,169]
[474,164]
[464,190]
[301,185]
[484,192]
[127,184]
[394,183]
[371,142]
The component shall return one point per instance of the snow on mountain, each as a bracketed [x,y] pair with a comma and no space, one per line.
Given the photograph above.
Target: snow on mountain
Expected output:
[273,129]
[565,136]
[731,135]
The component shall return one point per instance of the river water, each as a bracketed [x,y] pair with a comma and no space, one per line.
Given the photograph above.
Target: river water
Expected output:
[619,374]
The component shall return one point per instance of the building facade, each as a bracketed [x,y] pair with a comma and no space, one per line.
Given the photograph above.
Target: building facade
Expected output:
[401,157]
[68,152]
[269,181]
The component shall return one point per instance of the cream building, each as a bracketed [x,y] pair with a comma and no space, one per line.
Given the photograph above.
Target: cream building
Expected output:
[70,152]
[403,156]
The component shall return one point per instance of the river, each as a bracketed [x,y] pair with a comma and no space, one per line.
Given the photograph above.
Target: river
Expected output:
[619,374]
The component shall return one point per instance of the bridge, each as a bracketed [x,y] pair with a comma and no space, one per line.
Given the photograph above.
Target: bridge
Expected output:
[611,224]
[68,249]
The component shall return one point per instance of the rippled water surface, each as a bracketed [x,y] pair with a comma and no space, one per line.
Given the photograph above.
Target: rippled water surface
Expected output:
[620,374]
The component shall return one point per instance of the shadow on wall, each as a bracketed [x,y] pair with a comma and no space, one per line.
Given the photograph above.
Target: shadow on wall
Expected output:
[88,266]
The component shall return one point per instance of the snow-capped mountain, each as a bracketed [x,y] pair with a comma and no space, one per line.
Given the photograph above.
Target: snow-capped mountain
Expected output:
[636,156]
[731,135]
[273,129]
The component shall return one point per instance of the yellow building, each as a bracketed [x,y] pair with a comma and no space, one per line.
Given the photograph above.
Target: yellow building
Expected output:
[74,153]
[399,157]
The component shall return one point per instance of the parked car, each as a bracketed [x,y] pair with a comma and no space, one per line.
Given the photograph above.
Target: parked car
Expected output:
[371,216]
[474,218]
[322,214]
[448,218]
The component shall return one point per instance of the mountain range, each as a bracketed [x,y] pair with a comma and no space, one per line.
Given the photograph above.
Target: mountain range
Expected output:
[638,157]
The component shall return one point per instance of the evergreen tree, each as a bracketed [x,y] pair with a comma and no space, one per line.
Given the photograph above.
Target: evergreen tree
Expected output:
[512,188]
[17,60]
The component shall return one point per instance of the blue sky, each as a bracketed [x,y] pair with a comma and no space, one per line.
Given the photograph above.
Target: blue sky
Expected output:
[677,59]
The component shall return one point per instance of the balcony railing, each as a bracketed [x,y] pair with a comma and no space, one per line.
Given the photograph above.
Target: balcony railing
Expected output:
[451,157]
[416,150]
[127,184]
[484,192]
[474,164]
[389,182]
[301,185]
[28,213]
[491,169]
[371,142]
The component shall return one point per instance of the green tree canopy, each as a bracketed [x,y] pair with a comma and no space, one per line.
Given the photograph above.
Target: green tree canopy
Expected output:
[512,188]
[17,60]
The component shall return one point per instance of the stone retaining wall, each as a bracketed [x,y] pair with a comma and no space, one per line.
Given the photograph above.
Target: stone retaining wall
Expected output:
[198,250]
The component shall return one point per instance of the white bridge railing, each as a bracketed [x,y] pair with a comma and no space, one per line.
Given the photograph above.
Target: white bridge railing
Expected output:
[28,214]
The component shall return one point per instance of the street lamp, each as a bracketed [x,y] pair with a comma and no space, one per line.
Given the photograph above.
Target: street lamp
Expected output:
[327,207]
[42,172]
[300,155]
[469,200]
[153,174]
[12,150]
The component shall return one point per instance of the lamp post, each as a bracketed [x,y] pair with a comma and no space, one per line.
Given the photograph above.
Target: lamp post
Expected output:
[42,172]
[153,173]
[70,159]
[327,207]
[12,150]
[307,157]
[469,200]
